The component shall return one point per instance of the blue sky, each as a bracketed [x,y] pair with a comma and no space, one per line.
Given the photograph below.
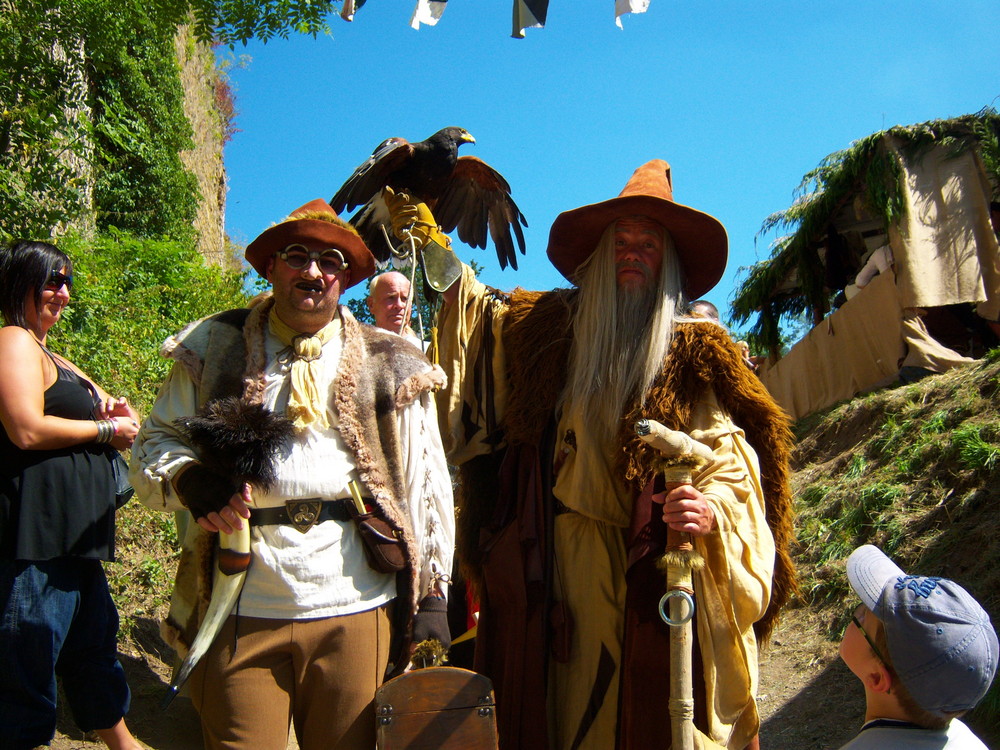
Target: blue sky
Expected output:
[741,98]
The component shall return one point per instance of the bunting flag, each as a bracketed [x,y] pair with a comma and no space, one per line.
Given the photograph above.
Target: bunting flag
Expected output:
[350,7]
[528,14]
[427,12]
[629,6]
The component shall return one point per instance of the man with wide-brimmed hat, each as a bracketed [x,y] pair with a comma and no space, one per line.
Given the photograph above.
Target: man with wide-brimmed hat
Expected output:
[351,543]
[560,520]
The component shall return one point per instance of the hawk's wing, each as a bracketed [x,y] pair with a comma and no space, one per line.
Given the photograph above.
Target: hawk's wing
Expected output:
[476,200]
[368,179]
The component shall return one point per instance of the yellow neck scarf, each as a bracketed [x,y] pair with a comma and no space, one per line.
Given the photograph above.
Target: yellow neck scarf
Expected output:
[306,405]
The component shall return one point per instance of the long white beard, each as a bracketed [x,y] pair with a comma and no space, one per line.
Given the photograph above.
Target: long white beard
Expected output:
[620,341]
[614,369]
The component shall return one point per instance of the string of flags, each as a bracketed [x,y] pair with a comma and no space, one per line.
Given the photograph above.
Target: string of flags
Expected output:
[528,14]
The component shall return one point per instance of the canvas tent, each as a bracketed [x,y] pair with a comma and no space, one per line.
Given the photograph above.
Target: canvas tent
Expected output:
[924,191]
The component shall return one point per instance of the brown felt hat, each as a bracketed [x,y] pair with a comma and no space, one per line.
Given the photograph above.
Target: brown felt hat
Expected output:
[316,220]
[699,239]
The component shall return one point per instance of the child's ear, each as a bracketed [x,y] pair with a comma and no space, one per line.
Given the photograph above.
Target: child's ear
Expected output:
[877,678]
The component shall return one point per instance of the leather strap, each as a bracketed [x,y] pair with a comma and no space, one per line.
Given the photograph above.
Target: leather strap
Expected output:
[330,510]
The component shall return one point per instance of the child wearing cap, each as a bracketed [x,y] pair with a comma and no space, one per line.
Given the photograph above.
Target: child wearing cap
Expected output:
[925,651]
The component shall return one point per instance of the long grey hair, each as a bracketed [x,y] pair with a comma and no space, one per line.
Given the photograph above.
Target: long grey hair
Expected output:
[621,337]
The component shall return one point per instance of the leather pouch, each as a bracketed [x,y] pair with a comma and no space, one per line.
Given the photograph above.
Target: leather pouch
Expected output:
[383,548]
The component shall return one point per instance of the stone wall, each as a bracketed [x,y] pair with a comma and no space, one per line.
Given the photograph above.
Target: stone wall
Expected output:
[201,79]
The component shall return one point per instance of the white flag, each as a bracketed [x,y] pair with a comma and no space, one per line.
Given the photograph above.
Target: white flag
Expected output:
[629,6]
[428,12]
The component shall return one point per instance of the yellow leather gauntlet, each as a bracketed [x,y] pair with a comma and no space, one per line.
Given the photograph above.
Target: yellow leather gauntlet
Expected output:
[413,221]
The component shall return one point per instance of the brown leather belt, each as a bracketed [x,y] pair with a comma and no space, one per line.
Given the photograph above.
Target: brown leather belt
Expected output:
[302,513]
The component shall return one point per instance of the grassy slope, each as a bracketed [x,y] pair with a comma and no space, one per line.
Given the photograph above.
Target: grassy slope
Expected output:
[914,470]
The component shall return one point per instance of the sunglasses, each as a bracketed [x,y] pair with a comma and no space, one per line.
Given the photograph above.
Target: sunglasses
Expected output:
[857,622]
[57,279]
[298,257]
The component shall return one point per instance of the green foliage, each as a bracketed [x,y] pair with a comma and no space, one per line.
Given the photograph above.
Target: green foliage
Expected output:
[92,120]
[814,494]
[914,472]
[140,183]
[973,451]
[91,116]
[857,467]
[865,514]
[238,21]
[937,423]
[129,296]
[41,126]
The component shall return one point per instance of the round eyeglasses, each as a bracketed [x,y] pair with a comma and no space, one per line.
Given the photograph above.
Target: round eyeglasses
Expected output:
[298,257]
[57,279]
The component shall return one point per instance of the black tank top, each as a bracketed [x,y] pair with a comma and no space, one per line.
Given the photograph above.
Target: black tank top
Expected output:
[61,502]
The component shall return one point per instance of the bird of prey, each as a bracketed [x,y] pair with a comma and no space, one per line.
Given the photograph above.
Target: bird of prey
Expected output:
[464,193]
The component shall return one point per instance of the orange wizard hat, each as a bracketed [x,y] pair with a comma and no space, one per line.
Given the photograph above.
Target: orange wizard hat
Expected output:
[700,240]
[316,220]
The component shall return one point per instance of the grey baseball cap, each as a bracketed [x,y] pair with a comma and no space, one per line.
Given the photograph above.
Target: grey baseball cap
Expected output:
[941,642]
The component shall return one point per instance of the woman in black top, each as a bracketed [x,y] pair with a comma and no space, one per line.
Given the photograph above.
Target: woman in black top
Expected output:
[57,505]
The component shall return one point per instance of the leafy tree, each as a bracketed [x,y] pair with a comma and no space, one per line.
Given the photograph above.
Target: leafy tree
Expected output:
[91,115]
[139,130]
[40,113]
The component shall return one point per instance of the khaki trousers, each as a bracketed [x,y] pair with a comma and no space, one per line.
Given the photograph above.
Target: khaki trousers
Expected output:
[260,675]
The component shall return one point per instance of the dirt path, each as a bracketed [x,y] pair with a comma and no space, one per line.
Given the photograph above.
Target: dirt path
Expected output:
[808,699]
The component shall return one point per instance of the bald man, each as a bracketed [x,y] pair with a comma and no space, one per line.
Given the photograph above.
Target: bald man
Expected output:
[388,297]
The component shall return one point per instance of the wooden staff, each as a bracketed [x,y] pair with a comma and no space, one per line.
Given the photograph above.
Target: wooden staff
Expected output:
[680,456]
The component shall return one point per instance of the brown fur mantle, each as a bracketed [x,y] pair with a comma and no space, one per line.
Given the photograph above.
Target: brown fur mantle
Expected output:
[537,336]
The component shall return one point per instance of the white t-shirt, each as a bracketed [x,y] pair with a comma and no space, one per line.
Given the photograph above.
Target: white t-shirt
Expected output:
[884,734]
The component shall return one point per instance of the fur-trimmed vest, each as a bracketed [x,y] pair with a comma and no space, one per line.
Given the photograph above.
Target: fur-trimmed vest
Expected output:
[379,374]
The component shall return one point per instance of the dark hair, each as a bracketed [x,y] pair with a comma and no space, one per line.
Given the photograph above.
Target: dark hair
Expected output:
[25,267]
[994,206]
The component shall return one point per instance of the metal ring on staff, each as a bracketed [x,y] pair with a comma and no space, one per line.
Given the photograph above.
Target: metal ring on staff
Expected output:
[664,601]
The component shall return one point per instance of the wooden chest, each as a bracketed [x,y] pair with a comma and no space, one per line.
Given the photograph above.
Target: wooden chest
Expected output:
[439,708]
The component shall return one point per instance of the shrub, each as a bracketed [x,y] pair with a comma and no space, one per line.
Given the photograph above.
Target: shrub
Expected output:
[130,294]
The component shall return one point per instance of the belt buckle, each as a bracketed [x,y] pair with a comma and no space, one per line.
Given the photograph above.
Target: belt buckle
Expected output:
[303,514]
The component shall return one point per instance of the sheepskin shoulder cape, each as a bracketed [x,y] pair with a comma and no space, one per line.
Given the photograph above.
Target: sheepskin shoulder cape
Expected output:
[379,374]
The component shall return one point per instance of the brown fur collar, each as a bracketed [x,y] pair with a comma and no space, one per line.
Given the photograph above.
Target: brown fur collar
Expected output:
[703,356]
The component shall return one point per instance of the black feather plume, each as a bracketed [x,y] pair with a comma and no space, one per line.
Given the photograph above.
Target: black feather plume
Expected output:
[238,439]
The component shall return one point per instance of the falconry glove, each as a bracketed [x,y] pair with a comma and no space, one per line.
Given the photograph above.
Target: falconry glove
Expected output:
[413,220]
[203,490]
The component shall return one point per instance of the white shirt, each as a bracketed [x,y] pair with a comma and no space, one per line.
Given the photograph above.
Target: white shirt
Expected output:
[956,736]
